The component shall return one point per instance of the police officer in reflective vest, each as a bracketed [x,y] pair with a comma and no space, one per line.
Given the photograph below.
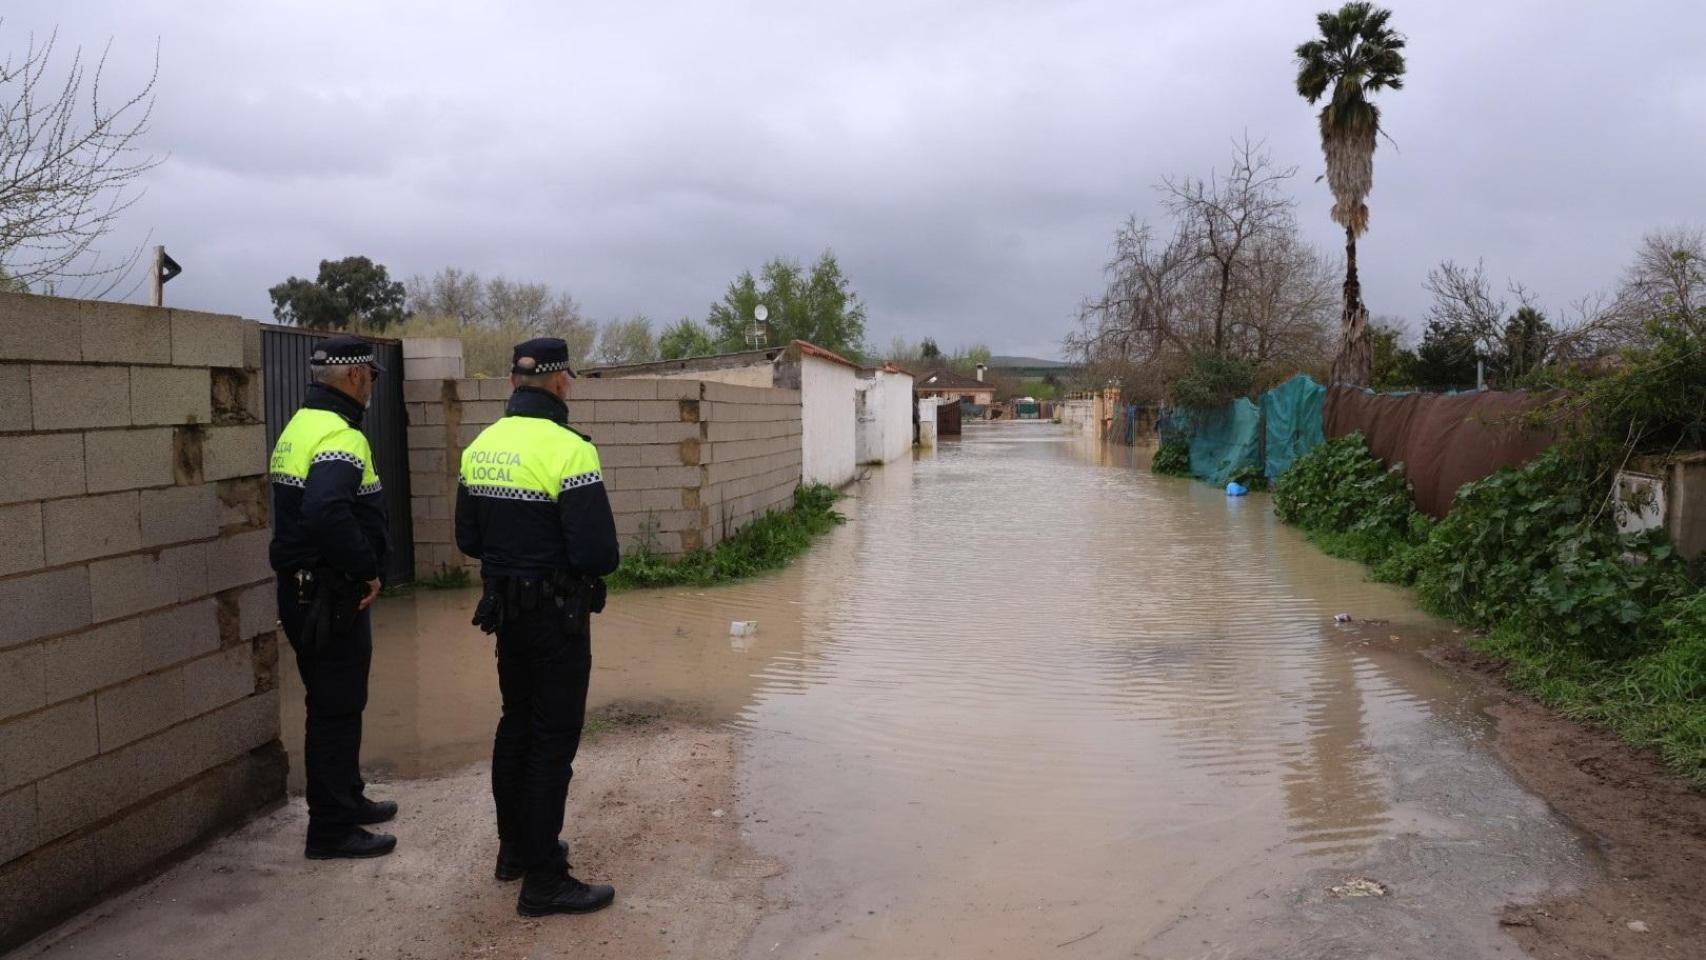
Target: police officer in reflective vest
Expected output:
[329,547]
[532,508]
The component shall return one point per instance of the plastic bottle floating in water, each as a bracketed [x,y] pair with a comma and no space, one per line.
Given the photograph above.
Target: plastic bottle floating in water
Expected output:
[1236,489]
[743,628]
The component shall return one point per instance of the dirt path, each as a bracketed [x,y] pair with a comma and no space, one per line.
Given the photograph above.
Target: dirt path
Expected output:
[1649,829]
[644,815]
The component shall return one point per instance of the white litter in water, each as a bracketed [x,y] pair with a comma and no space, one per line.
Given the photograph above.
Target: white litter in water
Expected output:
[717,813]
[1639,926]
[1360,887]
[743,628]
[1341,618]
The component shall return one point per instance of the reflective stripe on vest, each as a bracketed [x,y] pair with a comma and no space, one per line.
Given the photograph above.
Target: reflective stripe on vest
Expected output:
[318,436]
[528,458]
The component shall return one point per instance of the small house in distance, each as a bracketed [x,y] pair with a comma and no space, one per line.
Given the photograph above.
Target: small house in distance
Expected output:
[826,380]
[956,387]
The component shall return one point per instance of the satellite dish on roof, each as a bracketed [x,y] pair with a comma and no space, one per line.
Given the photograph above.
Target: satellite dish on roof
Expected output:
[758,333]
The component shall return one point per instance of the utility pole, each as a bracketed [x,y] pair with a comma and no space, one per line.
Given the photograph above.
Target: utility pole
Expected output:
[164,268]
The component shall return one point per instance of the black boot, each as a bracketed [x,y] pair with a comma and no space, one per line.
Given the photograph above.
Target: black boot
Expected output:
[510,866]
[376,811]
[544,893]
[356,844]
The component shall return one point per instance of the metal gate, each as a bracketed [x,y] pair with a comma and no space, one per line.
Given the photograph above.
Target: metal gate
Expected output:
[284,361]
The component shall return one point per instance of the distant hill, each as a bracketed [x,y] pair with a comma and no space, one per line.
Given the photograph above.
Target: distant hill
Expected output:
[1029,363]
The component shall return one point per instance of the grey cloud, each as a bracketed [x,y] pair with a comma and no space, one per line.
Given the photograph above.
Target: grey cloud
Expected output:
[967,161]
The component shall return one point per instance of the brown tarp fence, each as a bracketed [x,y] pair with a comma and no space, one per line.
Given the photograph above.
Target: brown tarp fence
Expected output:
[1443,440]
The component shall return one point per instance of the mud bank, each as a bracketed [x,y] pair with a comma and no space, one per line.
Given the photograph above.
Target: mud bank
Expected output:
[1648,828]
[642,816]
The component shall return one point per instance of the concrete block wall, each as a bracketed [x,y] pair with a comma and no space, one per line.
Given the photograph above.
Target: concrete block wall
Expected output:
[138,708]
[685,462]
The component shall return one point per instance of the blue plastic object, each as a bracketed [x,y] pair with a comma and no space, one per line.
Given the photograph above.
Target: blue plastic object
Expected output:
[1235,489]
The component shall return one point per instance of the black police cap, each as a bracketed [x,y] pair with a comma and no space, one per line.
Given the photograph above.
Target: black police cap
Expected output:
[343,351]
[541,355]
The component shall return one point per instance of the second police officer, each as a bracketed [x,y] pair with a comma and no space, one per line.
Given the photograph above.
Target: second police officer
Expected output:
[329,548]
[532,507]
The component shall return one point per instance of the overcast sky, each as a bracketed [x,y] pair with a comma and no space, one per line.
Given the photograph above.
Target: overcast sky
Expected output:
[967,162]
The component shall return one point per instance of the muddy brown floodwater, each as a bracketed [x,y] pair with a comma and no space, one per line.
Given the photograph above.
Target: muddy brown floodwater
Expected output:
[1034,700]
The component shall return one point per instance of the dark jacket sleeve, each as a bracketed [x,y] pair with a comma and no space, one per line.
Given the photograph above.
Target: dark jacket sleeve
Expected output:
[327,501]
[468,523]
[589,530]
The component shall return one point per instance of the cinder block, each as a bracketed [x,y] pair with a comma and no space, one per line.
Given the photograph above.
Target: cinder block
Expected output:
[238,560]
[178,634]
[214,681]
[639,411]
[128,459]
[14,396]
[17,822]
[41,466]
[433,368]
[427,461]
[427,414]
[243,503]
[146,705]
[122,586]
[36,745]
[483,412]
[179,514]
[22,688]
[618,434]
[40,328]
[116,780]
[75,397]
[466,433]
[679,389]
[495,389]
[251,345]
[434,531]
[426,438]
[228,452]
[170,396]
[185,570]
[422,347]
[125,333]
[677,432]
[428,392]
[43,604]
[627,388]
[257,610]
[21,543]
[82,662]
[238,396]
[206,339]
[83,528]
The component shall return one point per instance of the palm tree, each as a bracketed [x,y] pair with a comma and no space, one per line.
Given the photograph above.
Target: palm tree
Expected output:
[1357,55]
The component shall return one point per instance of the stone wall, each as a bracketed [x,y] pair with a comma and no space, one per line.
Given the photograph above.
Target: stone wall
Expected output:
[685,462]
[138,707]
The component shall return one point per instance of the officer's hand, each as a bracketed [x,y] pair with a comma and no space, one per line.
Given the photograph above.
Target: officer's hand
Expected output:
[372,592]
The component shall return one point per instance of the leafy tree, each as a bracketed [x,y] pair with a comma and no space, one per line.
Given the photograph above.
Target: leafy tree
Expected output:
[353,291]
[685,338]
[1526,343]
[928,349]
[1356,55]
[819,307]
[626,341]
[1394,363]
[1446,358]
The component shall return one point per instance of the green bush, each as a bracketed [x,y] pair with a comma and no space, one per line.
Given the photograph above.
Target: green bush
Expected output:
[1537,543]
[1348,502]
[768,543]
[1607,628]
[1251,475]
[1211,380]
[1172,458]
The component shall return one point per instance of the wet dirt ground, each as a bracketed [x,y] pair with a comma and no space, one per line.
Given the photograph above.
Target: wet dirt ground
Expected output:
[1031,700]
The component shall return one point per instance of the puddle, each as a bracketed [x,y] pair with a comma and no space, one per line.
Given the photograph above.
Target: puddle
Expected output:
[1035,700]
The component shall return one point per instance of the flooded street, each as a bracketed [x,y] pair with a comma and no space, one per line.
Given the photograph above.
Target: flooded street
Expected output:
[1034,700]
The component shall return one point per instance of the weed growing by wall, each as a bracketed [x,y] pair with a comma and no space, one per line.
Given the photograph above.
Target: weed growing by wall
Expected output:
[768,543]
